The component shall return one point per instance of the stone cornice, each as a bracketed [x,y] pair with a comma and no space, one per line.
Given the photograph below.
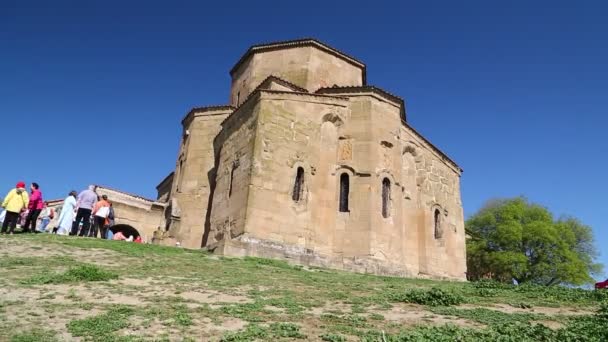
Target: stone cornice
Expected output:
[208,110]
[362,90]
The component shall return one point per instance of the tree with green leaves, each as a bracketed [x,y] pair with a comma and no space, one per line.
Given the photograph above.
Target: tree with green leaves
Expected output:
[513,239]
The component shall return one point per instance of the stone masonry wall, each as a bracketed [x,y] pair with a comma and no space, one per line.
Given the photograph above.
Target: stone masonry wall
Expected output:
[437,187]
[194,178]
[234,150]
[291,135]
[364,138]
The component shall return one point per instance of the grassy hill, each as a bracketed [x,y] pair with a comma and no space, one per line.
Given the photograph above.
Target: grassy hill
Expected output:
[55,288]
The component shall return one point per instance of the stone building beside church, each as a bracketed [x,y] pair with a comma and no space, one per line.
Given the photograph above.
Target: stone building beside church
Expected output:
[309,163]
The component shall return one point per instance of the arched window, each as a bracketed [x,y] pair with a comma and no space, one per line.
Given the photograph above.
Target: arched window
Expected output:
[344,188]
[437,221]
[298,185]
[386,198]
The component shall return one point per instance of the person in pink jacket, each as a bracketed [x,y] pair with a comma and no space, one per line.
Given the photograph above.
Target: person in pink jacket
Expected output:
[35,207]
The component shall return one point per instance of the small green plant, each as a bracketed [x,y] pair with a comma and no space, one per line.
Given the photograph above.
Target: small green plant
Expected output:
[376,317]
[433,297]
[250,333]
[36,335]
[182,317]
[248,311]
[333,337]
[101,327]
[73,275]
[286,330]
[490,284]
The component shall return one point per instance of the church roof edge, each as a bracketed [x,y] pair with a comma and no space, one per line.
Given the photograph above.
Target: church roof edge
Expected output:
[296,43]
[282,82]
[435,148]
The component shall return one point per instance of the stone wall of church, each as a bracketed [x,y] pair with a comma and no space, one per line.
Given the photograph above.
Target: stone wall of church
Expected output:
[437,188]
[362,137]
[234,150]
[296,131]
[193,179]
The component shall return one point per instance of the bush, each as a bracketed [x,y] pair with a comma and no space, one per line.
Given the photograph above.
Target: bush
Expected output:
[490,284]
[433,297]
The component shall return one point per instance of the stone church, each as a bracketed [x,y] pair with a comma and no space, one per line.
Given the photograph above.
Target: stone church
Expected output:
[309,163]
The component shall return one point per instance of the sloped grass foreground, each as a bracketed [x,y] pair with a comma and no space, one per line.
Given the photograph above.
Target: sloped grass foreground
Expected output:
[157,292]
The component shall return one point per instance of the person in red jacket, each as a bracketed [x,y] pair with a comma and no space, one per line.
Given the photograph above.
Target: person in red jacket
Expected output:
[35,207]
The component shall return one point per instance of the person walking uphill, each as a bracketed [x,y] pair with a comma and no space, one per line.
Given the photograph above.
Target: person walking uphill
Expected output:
[35,207]
[101,211]
[14,202]
[85,203]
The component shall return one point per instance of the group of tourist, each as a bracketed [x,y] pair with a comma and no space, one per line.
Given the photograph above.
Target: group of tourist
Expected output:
[82,214]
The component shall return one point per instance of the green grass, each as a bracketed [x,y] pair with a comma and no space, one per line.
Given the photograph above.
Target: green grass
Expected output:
[35,335]
[74,274]
[254,332]
[276,300]
[433,297]
[101,327]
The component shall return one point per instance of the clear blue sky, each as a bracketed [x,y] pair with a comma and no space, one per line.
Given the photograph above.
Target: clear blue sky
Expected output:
[514,91]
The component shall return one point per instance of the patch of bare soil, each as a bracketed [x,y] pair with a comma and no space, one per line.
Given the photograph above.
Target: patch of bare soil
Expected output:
[42,313]
[550,324]
[148,289]
[537,309]
[411,314]
[405,314]
[202,329]
[97,256]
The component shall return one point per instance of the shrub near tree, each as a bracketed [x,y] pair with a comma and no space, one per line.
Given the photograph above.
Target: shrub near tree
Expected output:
[513,239]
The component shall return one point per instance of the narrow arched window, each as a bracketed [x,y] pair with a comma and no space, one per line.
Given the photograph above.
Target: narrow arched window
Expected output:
[298,185]
[344,189]
[180,181]
[231,180]
[386,197]
[437,221]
